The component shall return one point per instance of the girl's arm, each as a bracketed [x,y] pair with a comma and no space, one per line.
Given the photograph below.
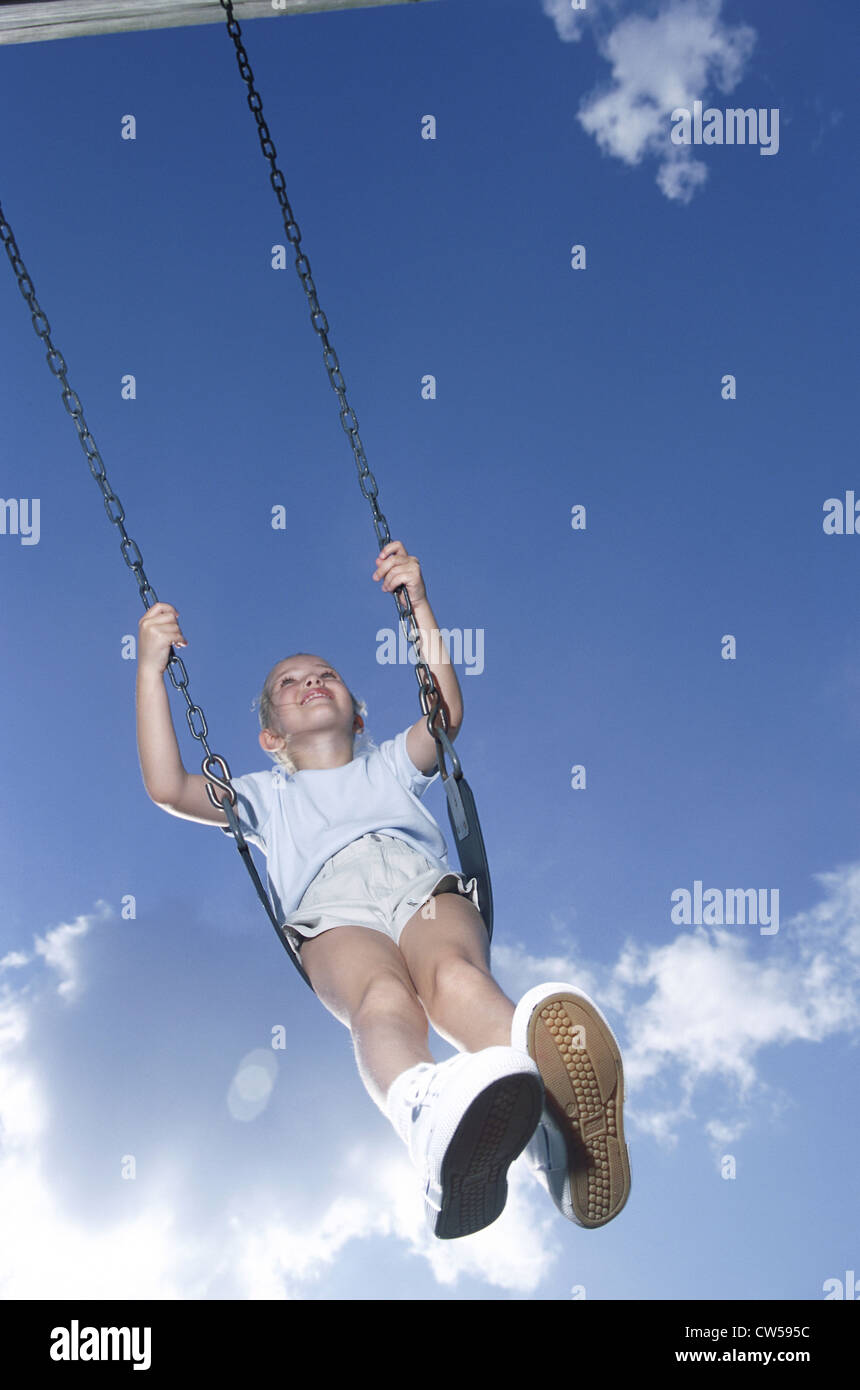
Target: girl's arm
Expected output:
[395,567]
[165,778]
[419,745]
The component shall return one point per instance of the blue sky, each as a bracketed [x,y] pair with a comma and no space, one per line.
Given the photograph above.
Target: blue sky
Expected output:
[602,647]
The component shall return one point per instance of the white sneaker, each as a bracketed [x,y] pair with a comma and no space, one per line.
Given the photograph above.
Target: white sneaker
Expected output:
[464,1122]
[578,1153]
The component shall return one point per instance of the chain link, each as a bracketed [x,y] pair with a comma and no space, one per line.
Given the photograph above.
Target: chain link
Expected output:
[431,700]
[116,515]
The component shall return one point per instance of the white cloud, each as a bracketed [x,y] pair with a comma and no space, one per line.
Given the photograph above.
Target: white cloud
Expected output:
[569,23]
[706,1006]
[13,960]
[658,62]
[515,1253]
[680,175]
[45,1252]
[715,1001]
[59,949]
[723,1134]
[694,1014]
[518,971]
[273,1256]
[22,1107]
[264,1248]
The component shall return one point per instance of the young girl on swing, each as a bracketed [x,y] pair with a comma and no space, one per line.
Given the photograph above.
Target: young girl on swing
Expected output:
[390,937]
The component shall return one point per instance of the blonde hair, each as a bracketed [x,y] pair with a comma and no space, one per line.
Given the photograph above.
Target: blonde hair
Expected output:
[263,702]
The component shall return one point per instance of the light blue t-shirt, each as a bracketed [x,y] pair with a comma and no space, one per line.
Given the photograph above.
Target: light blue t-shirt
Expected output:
[300,820]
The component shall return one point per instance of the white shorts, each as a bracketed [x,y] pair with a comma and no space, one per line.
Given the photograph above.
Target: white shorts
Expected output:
[378,881]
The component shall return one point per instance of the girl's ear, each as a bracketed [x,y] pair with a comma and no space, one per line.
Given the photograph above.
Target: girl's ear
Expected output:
[358,723]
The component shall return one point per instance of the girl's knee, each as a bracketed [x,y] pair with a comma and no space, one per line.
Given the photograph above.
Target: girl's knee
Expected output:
[387,994]
[456,978]
[353,970]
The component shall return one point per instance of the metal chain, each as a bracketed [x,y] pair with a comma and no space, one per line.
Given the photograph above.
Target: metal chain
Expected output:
[431,700]
[133,558]
[115,513]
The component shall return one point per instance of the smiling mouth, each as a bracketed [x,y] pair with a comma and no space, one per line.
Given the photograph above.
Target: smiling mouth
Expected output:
[321,695]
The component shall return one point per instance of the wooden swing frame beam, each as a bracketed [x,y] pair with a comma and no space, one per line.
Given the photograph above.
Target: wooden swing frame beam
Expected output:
[32,21]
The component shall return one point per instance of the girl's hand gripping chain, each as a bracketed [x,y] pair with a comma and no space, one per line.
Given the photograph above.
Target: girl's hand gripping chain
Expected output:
[395,567]
[158,631]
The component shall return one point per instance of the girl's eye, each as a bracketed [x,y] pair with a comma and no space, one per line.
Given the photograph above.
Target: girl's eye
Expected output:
[284,679]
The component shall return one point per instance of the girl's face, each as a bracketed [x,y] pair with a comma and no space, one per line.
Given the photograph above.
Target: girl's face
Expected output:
[306,694]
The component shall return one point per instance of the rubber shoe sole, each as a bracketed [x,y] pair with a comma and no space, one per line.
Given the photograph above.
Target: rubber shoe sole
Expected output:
[492,1133]
[571,1042]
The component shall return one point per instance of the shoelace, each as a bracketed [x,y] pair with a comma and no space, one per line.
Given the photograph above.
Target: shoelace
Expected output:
[421,1090]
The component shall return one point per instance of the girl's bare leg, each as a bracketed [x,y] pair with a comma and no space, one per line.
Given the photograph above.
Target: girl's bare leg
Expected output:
[447,956]
[362,979]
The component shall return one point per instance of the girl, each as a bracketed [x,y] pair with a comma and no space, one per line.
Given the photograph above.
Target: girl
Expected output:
[390,936]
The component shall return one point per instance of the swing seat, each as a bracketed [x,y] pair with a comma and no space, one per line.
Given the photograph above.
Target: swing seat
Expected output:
[463,815]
